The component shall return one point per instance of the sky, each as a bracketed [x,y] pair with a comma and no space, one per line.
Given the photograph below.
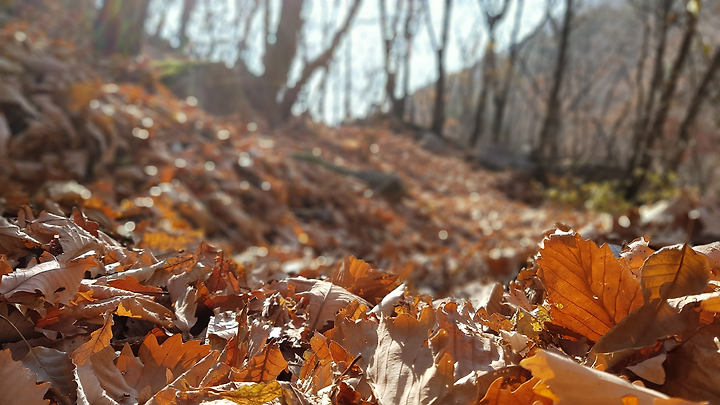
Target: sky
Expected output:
[467,32]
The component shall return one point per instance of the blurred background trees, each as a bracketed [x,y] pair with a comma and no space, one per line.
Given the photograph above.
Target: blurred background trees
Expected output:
[623,90]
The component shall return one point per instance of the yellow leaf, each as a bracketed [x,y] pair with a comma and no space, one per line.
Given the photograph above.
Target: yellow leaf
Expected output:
[99,340]
[673,272]
[589,287]
[256,394]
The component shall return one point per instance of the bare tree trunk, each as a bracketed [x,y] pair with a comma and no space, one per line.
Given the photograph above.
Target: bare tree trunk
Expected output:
[438,119]
[692,111]
[283,110]
[119,27]
[348,77]
[188,7]
[637,173]
[488,69]
[548,139]
[501,97]
[408,35]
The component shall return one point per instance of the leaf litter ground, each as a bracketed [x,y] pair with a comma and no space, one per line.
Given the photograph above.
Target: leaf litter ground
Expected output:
[152,253]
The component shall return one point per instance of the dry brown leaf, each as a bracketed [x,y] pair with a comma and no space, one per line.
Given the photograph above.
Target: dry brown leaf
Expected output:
[20,381]
[100,381]
[711,252]
[55,367]
[190,378]
[588,287]
[360,279]
[673,272]
[13,240]
[568,382]
[129,283]
[324,299]
[654,321]
[402,369]
[57,282]
[99,340]
[322,361]
[693,369]
[75,241]
[163,363]
[263,367]
[523,395]
[120,302]
[635,253]
[249,394]
[471,349]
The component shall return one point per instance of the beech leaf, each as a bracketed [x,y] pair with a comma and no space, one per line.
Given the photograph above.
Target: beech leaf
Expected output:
[588,287]
[673,272]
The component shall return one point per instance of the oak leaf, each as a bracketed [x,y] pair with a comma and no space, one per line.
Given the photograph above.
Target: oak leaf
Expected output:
[161,364]
[263,367]
[99,340]
[523,395]
[20,381]
[99,380]
[402,369]
[589,289]
[55,367]
[361,279]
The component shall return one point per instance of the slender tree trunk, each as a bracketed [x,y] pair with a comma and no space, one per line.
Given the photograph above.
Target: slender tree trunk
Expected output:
[548,139]
[283,110]
[438,120]
[693,109]
[501,97]
[400,104]
[348,77]
[638,173]
[188,7]
[119,28]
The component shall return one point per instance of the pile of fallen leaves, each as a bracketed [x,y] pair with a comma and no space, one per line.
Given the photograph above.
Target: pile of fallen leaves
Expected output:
[152,253]
[95,322]
[158,173]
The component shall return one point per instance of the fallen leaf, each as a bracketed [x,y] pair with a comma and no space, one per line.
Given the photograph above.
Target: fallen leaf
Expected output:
[588,288]
[13,240]
[57,282]
[99,340]
[55,367]
[523,395]
[651,369]
[673,272]
[693,369]
[401,369]
[360,279]
[20,381]
[569,382]
[262,367]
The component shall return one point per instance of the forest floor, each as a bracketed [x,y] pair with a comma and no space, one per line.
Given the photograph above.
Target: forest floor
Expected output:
[153,253]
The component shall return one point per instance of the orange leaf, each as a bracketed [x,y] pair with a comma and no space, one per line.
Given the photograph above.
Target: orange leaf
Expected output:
[673,272]
[359,278]
[263,367]
[523,395]
[99,340]
[130,283]
[590,289]
[16,379]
